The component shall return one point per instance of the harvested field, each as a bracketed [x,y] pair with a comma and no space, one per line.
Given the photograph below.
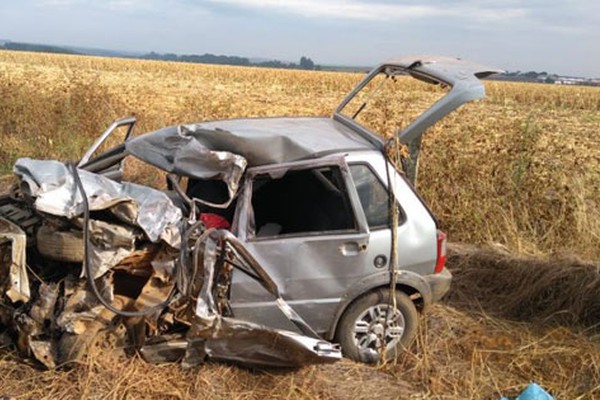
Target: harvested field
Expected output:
[514,169]
[517,170]
[465,350]
[552,291]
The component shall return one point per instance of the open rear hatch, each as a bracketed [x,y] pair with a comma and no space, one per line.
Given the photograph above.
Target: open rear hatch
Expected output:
[462,77]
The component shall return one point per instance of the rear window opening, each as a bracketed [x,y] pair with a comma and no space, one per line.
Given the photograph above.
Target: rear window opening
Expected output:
[392,100]
[301,202]
[374,198]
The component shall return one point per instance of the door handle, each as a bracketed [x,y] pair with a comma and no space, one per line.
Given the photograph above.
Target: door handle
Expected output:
[352,248]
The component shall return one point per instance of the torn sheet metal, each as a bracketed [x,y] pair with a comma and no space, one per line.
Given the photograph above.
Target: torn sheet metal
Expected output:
[188,287]
[109,245]
[139,262]
[229,339]
[82,307]
[53,186]
[43,308]
[73,345]
[164,267]
[165,349]
[178,151]
[214,336]
[154,292]
[17,288]
[45,352]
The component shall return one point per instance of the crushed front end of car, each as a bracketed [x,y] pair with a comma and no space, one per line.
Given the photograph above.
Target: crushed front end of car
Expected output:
[83,256]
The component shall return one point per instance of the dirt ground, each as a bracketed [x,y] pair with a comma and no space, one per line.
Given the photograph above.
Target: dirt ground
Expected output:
[500,328]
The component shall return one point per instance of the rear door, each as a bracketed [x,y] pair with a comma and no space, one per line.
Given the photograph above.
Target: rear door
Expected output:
[304,224]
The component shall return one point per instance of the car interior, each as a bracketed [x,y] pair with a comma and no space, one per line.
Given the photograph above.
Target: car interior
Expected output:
[301,202]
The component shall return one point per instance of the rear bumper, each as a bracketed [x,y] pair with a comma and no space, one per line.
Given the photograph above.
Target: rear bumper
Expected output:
[439,284]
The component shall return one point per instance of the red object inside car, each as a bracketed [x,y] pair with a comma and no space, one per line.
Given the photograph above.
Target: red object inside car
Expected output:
[214,221]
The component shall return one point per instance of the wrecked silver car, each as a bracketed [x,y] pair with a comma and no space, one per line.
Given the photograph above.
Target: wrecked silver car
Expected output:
[275,238]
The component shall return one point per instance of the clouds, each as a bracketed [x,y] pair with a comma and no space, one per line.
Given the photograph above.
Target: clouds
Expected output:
[553,35]
[377,11]
[126,5]
[156,7]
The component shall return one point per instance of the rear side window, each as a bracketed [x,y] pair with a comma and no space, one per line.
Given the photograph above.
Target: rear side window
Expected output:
[310,201]
[373,196]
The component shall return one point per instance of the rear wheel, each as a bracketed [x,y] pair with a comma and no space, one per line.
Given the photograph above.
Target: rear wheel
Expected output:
[372,327]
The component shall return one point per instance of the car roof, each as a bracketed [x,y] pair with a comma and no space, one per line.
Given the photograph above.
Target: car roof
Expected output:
[260,141]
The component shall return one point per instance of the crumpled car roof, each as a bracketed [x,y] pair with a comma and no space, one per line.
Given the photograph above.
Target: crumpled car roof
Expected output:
[260,141]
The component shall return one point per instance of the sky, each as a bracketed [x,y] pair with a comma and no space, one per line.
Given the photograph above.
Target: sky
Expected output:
[543,35]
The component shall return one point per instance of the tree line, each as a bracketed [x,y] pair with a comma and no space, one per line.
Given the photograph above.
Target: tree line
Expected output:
[305,62]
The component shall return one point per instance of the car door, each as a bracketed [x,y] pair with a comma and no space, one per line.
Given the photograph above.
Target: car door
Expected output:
[304,224]
[106,155]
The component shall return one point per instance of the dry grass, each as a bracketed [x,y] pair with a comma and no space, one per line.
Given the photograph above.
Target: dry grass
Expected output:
[518,170]
[108,375]
[515,169]
[464,350]
[551,291]
[458,356]
[461,355]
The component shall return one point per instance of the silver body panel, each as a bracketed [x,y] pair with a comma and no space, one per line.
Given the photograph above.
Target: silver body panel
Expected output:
[320,273]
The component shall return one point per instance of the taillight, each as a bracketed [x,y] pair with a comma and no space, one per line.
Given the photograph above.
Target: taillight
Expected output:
[441,251]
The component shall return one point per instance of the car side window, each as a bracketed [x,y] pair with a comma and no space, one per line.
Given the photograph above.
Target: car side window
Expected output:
[309,201]
[374,197]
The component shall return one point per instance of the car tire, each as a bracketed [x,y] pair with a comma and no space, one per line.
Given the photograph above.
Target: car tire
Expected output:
[64,246]
[361,330]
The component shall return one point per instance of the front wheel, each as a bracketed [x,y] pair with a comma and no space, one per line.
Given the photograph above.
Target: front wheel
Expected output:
[371,327]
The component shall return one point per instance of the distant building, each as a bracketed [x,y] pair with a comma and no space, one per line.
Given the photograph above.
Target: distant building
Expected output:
[569,80]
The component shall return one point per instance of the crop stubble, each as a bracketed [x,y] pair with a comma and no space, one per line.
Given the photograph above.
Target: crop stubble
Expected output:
[518,170]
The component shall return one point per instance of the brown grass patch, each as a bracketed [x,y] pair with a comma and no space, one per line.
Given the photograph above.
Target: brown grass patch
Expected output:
[514,168]
[465,355]
[109,375]
[556,290]
[464,350]
[458,355]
